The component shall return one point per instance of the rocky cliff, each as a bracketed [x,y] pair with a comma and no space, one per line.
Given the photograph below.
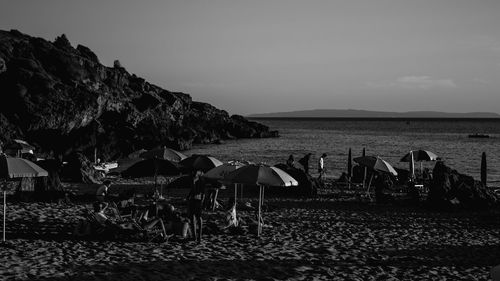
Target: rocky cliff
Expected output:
[62,99]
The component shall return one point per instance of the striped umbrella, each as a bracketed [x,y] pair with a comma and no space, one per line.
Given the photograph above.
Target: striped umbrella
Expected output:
[420,155]
[376,163]
[11,167]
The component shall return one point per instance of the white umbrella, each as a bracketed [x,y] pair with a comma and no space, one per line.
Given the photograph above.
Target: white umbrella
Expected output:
[261,175]
[377,164]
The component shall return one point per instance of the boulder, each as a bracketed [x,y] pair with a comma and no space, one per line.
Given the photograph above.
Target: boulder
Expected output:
[449,187]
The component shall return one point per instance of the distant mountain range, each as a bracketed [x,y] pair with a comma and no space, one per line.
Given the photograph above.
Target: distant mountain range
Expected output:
[352,113]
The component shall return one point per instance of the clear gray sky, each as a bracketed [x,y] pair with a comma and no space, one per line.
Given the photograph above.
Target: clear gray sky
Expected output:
[259,56]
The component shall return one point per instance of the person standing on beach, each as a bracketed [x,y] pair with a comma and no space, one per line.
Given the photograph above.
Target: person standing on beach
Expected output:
[290,161]
[304,161]
[102,191]
[321,166]
[195,204]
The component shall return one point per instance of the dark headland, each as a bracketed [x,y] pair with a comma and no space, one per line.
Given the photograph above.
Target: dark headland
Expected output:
[62,99]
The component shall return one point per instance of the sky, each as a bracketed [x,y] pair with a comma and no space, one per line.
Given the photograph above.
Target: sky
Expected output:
[263,56]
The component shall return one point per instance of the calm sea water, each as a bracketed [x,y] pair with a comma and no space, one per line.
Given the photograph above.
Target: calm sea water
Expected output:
[389,139]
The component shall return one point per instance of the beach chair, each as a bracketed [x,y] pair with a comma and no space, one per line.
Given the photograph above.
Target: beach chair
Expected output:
[153,230]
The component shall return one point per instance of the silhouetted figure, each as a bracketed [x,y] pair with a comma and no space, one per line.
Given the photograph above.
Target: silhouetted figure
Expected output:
[321,167]
[195,204]
[102,191]
[304,161]
[290,161]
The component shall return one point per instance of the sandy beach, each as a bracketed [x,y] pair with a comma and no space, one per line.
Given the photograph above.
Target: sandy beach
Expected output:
[305,239]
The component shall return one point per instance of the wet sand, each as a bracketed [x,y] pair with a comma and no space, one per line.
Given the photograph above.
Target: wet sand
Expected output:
[306,239]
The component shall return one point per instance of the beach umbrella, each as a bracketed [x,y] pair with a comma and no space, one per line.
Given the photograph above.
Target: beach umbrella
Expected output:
[220,172]
[152,167]
[420,155]
[484,169]
[11,167]
[199,162]
[163,153]
[261,175]
[377,164]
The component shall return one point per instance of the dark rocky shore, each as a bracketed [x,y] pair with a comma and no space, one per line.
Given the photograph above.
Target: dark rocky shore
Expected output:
[62,99]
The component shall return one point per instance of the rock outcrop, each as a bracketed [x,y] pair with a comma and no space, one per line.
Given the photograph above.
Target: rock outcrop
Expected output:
[62,100]
[448,187]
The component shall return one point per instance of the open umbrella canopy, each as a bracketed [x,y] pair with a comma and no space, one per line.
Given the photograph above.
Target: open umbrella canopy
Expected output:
[199,162]
[12,167]
[261,175]
[220,172]
[420,155]
[152,167]
[163,153]
[376,163]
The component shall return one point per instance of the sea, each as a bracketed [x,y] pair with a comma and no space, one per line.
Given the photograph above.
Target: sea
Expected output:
[389,139]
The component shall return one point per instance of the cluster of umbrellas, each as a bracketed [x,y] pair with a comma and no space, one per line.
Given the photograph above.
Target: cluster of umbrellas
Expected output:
[376,163]
[168,162]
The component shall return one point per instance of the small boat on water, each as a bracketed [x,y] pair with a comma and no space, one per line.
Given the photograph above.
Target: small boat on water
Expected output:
[479,136]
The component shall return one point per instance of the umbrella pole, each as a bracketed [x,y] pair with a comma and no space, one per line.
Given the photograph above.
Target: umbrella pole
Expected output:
[259,214]
[215,199]
[4,210]
[369,185]
[364,178]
